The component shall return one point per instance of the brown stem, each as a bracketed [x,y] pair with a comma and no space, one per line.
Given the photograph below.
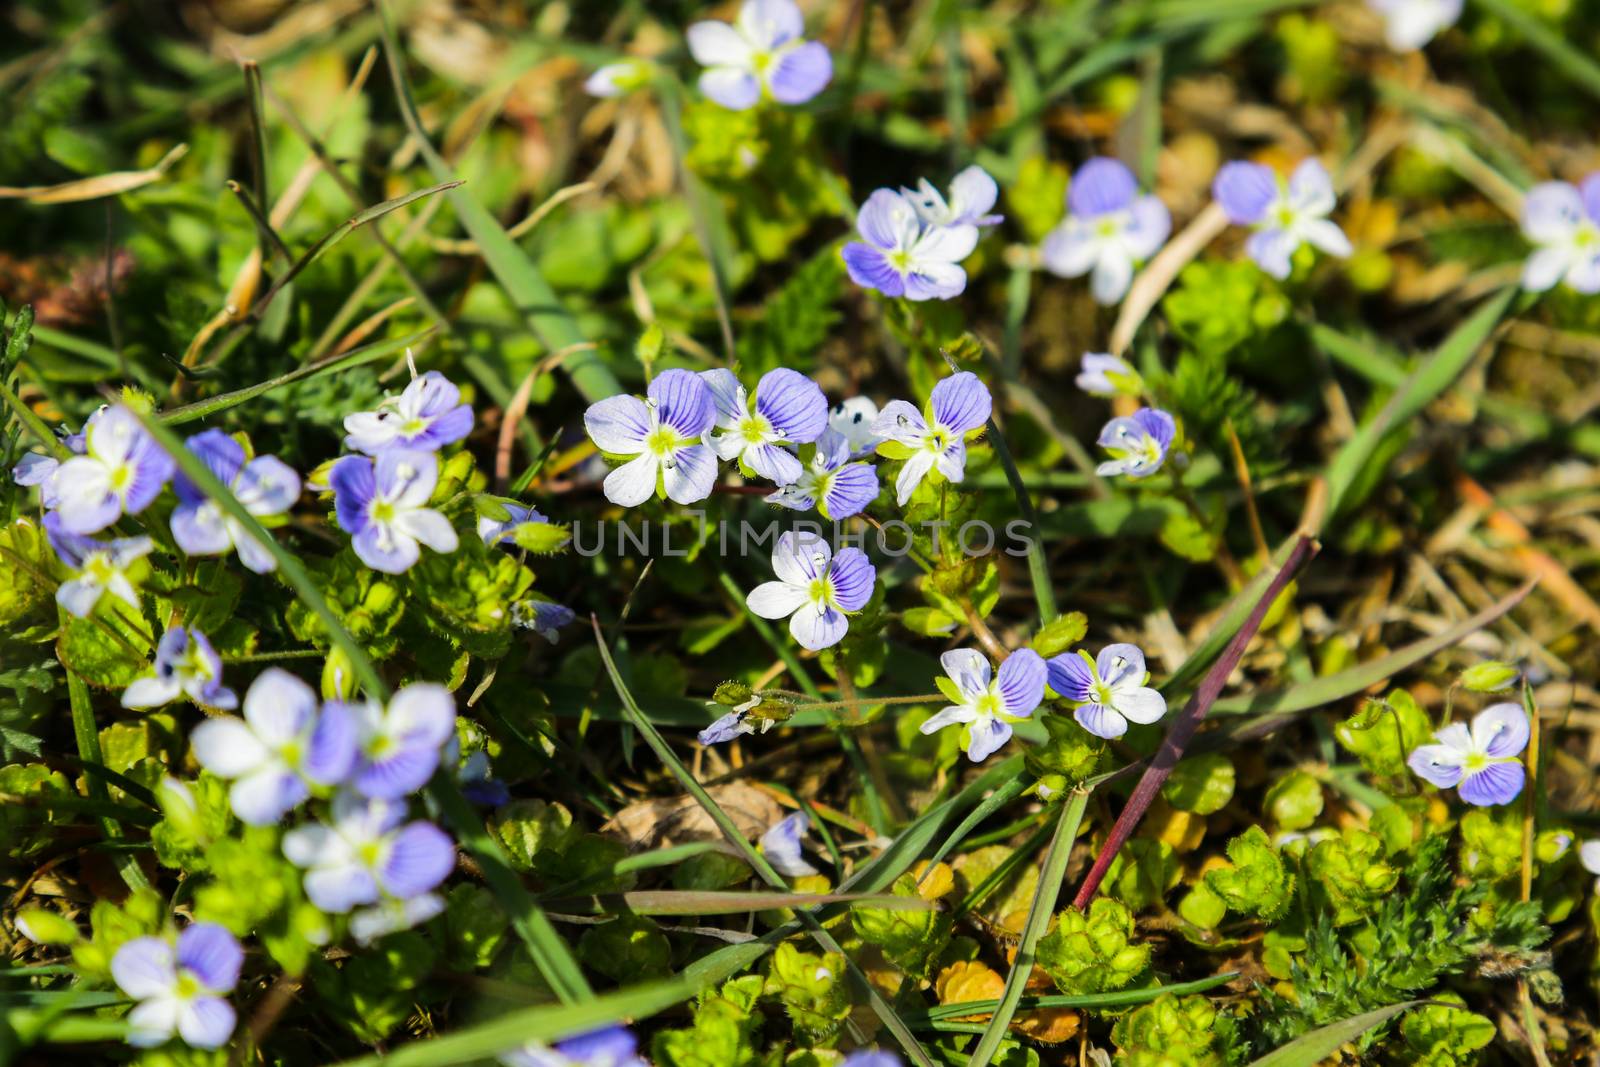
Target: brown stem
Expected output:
[1188,721]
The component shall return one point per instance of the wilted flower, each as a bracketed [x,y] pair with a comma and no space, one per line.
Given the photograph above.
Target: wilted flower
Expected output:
[1104,375]
[180,988]
[99,567]
[852,419]
[1564,221]
[280,749]
[382,504]
[1481,762]
[1410,24]
[393,915]
[789,410]
[1138,443]
[814,589]
[264,486]
[613,1046]
[615,79]
[1285,215]
[542,617]
[762,51]
[504,531]
[186,665]
[900,255]
[830,483]
[663,435]
[1110,689]
[121,471]
[1109,227]
[734,724]
[972,196]
[987,704]
[364,854]
[399,745]
[935,438]
[424,418]
[478,783]
[781,846]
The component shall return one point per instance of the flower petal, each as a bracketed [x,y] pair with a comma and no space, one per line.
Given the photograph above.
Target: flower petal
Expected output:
[227,747]
[1545,268]
[634,482]
[1100,186]
[1498,783]
[801,557]
[717,44]
[911,474]
[279,706]
[1148,228]
[954,715]
[1120,664]
[420,857]
[985,737]
[1140,704]
[263,796]
[961,403]
[1326,235]
[145,967]
[869,267]
[800,73]
[1245,191]
[777,465]
[1069,675]
[429,527]
[899,421]
[850,490]
[818,629]
[766,24]
[1021,679]
[794,404]
[1310,189]
[206,1022]
[1272,249]
[618,424]
[1439,764]
[1500,730]
[1101,720]
[776,600]
[682,402]
[1112,275]
[691,476]
[336,890]
[781,846]
[969,669]
[1552,213]
[727,396]
[211,954]
[851,577]
[1070,250]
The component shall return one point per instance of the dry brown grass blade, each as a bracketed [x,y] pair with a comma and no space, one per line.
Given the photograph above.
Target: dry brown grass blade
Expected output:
[1533,561]
[96,188]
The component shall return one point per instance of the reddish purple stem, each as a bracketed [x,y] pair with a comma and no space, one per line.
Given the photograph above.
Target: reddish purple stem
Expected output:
[1184,726]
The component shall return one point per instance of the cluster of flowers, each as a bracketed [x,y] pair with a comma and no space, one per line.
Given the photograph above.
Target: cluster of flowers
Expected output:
[380,495]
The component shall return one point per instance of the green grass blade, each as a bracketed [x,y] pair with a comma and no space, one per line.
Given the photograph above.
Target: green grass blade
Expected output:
[523,283]
[1051,875]
[1571,61]
[1227,625]
[1319,1045]
[991,804]
[1122,998]
[722,902]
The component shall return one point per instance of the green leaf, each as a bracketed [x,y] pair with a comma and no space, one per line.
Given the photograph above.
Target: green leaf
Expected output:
[1316,1047]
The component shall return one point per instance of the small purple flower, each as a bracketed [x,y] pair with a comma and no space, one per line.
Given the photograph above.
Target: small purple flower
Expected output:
[266,486]
[1138,443]
[186,665]
[733,724]
[180,988]
[99,567]
[1481,762]
[424,418]
[1104,375]
[987,704]
[542,617]
[972,196]
[504,531]
[478,783]
[399,746]
[789,410]
[1110,689]
[762,51]
[1285,215]
[1410,24]
[1109,227]
[830,483]
[121,471]
[1564,221]
[364,854]
[663,435]
[871,1057]
[617,79]
[852,419]
[935,438]
[900,255]
[815,588]
[613,1046]
[382,504]
[781,846]
[391,915]
[280,749]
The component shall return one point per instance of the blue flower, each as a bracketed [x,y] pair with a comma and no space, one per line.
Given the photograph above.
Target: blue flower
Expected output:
[1482,763]
[1138,443]
[542,617]
[1110,689]
[382,504]
[789,410]
[936,438]
[761,52]
[424,418]
[1108,229]
[900,255]
[282,747]
[871,1057]
[613,1046]
[36,468]
[365,855]
[186,665]
[478,783]
[663,435]
[265,485]
[99,567]
[781,846]
[121,471]
[733,724]
[1285,215]
[830,483]
[1104,375]
[986,705]
[399,746]
[180,988]
[814,589]
[1563,220]
[972,196]
[504,531]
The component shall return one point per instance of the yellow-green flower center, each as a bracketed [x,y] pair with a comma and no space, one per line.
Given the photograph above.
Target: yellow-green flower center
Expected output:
[98,566]
[663,441]
[382,511]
